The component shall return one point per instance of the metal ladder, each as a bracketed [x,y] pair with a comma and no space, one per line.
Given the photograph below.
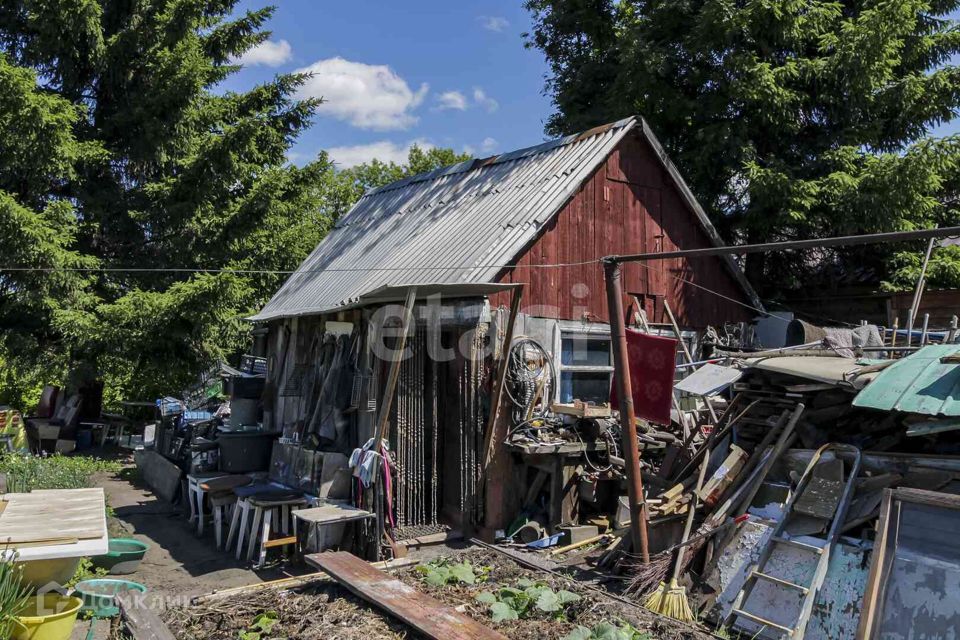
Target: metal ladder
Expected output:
[809,592]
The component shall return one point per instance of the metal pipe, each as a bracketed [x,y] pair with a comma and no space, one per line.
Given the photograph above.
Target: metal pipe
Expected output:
[817,243]
[918,291]
[631,454]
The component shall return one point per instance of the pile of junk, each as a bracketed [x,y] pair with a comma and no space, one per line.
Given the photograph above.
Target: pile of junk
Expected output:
[215,426]
[806,491]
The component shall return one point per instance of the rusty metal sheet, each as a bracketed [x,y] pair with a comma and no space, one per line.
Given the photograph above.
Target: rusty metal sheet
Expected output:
[425,614]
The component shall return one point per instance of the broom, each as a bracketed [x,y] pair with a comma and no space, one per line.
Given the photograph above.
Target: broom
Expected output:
[670,599]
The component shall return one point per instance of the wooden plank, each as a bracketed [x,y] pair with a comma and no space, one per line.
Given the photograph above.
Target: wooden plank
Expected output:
[418,610]
[141,622]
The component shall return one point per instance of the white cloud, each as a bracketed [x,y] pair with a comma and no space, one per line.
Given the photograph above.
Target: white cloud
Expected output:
[488,145]
[452,100]
[268,53]
[494,23]
[482,99]
[365,95]
[383,150]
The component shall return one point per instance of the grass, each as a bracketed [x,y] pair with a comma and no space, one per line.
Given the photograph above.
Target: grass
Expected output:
[27,472]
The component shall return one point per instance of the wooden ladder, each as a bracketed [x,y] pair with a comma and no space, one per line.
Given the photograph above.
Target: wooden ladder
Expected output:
[809,592]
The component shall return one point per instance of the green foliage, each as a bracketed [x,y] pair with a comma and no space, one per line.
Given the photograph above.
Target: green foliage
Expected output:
[13,595]
[85,571]
[440,572]
[528,599]
[260,627]
[121,152]
[607,631]
[27,472]
[789,119]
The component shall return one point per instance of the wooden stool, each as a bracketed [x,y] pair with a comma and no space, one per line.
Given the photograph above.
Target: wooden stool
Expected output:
[271,512]
[223,498]
[195,493]
[244,510]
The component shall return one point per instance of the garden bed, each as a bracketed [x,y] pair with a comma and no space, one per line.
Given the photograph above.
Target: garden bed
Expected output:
[323,609]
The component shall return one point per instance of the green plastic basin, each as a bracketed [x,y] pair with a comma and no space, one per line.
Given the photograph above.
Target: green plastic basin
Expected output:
[99,595]
[123,557]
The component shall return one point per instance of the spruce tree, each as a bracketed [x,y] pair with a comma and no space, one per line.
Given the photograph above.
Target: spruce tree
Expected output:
[790,119]
[142,167]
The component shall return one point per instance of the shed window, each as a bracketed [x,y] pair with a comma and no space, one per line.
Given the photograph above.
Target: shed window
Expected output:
[586,367]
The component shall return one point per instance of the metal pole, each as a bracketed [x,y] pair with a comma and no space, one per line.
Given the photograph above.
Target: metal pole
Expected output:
[818,243]
[631,453]
[918,291]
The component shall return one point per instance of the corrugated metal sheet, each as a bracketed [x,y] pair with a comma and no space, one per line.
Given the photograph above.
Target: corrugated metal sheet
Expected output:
[455,225]
[919,383]
[844,372]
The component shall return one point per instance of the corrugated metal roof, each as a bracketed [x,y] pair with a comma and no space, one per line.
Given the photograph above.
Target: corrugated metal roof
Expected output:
[919,383]
[458,224]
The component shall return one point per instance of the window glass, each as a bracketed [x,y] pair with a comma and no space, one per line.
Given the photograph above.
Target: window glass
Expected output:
[587,386]
[580,351]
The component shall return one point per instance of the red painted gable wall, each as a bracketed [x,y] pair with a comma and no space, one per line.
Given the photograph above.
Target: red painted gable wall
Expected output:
[629,205]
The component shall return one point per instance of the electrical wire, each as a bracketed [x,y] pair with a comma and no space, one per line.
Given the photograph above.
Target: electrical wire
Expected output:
[530,378]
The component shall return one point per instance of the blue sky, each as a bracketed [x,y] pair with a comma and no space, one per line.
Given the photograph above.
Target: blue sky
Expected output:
[441,73]
[451,74]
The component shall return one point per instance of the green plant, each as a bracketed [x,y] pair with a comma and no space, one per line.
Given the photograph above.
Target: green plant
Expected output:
[260,626]
[27,472]
[438,573]
[13,595]
[85,571]
[607,631]
[528,598]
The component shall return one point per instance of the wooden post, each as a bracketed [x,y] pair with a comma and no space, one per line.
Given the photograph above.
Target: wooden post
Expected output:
[395,362]
[628,425]
[489,459]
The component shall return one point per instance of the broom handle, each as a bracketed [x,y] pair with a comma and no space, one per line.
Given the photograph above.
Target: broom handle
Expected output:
[690,514]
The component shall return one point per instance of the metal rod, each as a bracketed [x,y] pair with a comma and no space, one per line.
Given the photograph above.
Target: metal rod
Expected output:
[817,243]
[631,454]
[918,291]
[923,334]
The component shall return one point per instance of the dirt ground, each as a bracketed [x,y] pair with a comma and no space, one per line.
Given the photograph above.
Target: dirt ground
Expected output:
[179,564]
[325,610]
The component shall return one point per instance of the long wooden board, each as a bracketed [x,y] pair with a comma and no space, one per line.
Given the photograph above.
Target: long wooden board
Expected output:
[425,614]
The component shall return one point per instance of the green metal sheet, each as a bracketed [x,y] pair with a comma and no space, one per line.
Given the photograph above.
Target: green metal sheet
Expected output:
[919,383]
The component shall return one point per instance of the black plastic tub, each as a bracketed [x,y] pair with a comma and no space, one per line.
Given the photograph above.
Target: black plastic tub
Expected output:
[245,451]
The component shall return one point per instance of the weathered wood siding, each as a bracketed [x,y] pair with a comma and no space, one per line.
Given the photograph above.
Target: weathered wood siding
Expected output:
[630,205]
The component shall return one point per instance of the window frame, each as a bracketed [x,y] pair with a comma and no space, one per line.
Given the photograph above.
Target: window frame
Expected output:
[566,331]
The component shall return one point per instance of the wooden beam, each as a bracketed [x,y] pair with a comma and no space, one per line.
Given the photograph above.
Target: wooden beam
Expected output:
[500,378]
[394,373]
[427,615]
[141,622]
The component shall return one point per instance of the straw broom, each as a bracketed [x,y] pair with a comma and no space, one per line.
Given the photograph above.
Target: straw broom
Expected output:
[670,599]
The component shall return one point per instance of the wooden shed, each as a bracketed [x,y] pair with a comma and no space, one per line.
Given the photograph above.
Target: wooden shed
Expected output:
[461,238]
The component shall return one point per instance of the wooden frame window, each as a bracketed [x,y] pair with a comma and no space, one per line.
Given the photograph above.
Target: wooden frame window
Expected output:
[585,366]
[913,588]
